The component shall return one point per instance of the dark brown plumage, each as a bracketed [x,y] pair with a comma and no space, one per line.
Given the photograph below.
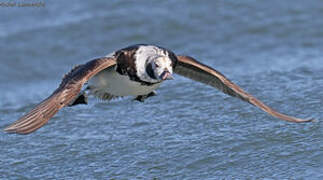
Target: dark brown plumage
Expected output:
[190,68]
[68,90]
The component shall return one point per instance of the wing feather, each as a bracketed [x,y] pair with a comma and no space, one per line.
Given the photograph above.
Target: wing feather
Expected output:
[191,68]
[69,88]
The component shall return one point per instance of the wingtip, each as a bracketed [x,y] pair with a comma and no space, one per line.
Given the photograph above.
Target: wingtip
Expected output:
[311,120]
[307,120]
[9,129]
[13,130]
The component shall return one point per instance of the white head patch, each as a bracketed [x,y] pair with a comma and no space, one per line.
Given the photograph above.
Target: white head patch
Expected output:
[148,54]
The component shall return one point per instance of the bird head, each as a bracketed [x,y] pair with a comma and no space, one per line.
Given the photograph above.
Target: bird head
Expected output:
[160,68]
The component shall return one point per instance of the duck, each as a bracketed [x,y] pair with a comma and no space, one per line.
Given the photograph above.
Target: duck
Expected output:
[137,70]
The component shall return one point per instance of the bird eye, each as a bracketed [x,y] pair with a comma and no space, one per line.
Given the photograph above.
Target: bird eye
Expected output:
[157,65]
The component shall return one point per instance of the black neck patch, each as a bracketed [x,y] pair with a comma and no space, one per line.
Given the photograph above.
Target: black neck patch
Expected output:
[150,71]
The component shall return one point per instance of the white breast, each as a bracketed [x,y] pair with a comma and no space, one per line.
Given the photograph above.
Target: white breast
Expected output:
[111,82]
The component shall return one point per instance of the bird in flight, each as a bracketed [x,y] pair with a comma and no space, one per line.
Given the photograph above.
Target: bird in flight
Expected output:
[137,71]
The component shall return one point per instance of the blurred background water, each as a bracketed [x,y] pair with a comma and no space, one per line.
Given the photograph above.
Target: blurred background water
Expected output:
[273,49]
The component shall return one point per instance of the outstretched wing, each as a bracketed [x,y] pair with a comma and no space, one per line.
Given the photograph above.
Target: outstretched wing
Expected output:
[191,68]
[69,88]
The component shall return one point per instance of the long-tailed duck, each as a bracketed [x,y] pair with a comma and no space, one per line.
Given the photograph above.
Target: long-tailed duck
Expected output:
[133,71]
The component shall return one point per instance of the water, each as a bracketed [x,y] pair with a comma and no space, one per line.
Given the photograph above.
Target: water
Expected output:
[273,49]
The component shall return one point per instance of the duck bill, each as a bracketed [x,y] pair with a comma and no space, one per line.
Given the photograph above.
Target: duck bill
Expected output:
[166,75]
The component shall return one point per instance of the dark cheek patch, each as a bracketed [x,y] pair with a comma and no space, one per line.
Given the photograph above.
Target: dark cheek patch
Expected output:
[150,71]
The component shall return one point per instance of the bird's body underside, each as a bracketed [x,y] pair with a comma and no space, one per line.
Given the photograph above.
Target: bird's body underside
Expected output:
[133,71]
[109,82]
